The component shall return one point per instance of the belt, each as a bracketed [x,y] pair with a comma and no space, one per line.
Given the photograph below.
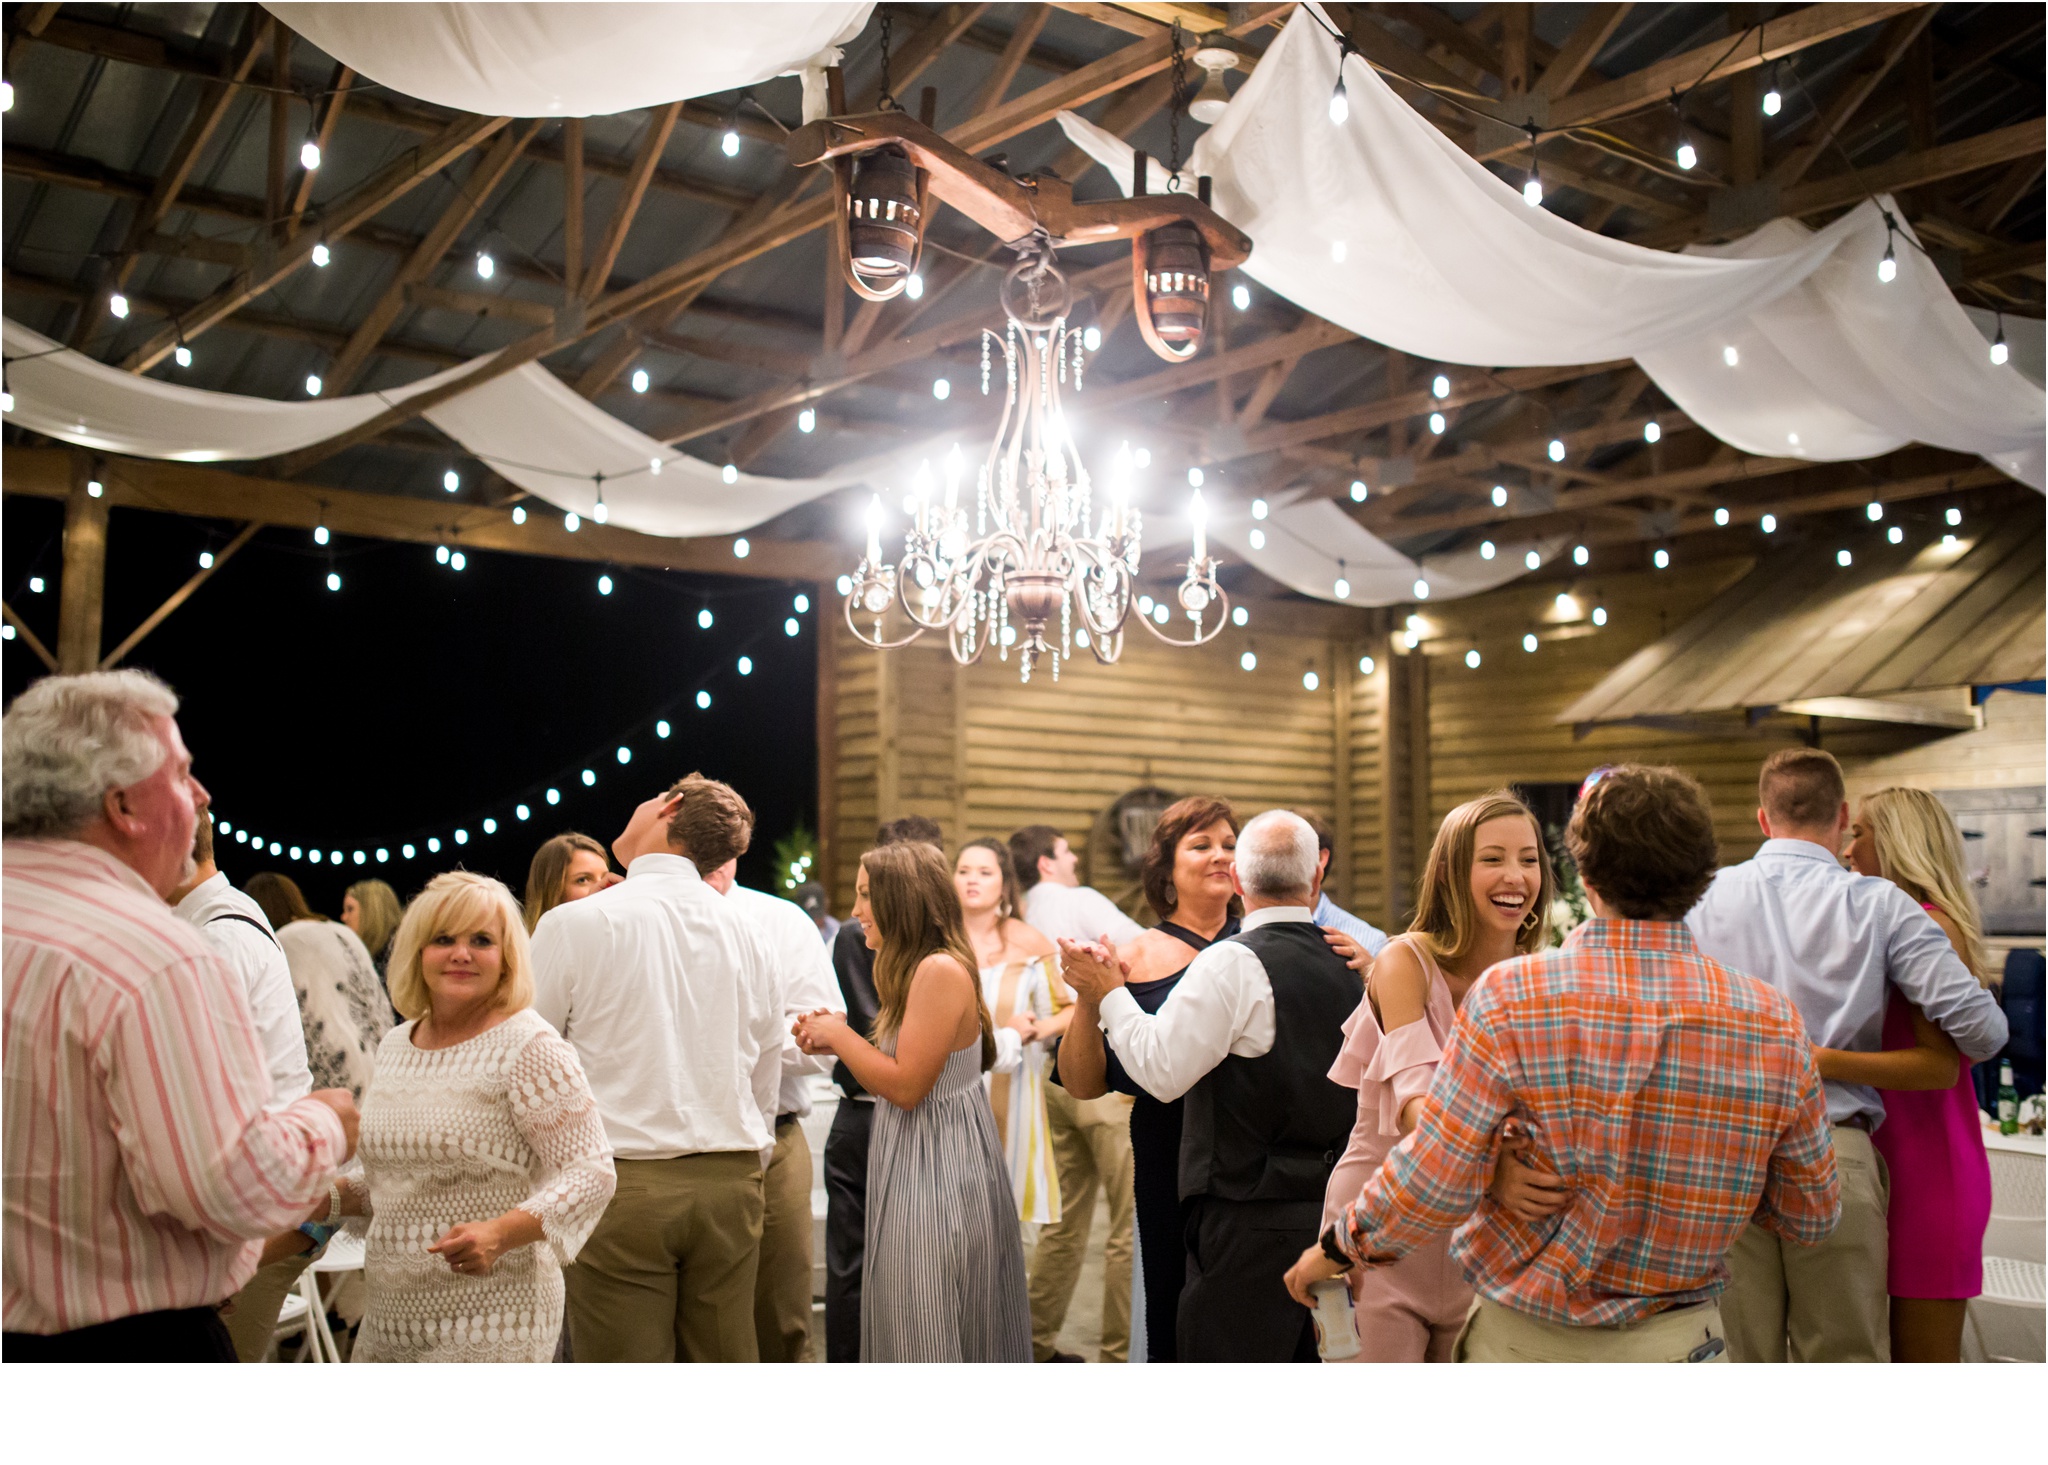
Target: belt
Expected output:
[1857,1121]
[784,1120]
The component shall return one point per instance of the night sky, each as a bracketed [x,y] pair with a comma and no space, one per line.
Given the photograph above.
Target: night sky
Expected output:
[417,699]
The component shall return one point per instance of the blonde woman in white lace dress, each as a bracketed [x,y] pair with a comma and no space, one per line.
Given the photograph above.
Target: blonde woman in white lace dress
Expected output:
[483,1165]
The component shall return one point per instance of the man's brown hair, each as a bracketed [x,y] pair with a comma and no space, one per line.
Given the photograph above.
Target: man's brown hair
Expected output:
[911,829]
[1029,845]
[1643,839]
[712,824]
[1801,788]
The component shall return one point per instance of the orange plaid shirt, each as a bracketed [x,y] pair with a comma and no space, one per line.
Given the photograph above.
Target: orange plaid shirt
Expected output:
[1678,1098]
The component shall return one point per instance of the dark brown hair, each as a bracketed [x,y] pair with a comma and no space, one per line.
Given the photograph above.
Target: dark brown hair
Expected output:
[282,900]
[549,872]
[911,829]
[1801,788]
[1188,816]
[1643,839]
[711,824]
[1029,845]
[1012,901]
[917,913]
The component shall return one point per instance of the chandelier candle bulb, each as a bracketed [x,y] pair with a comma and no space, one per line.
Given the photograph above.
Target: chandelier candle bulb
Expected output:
[1198,519]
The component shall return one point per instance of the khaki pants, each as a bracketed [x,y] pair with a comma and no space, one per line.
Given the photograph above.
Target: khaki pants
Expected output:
[669,1272]
[1496,1334]
[1091,1144]
[1824,1303]
[782,1285]
[252,1322]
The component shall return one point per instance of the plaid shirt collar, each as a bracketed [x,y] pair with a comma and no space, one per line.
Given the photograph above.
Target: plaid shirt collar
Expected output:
[1612,933]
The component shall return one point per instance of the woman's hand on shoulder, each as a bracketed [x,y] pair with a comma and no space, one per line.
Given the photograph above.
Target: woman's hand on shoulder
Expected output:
[1346,945]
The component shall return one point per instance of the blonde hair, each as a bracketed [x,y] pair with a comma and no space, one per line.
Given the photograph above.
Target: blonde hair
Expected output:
[1920,850]
[458,902]
[379,912]
[1446,917]
[917,914]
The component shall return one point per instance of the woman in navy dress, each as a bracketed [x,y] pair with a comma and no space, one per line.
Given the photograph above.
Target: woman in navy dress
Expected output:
[1186,878]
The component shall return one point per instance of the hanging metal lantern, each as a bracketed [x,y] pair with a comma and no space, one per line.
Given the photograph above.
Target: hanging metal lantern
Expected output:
[1171,289]
[882,214]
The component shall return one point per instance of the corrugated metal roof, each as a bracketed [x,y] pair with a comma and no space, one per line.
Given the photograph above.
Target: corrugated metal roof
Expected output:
[1801,627]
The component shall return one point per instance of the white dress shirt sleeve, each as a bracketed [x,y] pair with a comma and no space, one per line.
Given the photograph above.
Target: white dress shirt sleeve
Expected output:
[1223,1005]
[273,1005]
[554,973]
[809,984]
[1922,963]
[1101,917]
[768,1031]
[1009,1050]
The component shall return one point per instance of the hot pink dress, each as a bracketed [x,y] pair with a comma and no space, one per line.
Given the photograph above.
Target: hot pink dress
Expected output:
[1940,1179]
[1409,1312]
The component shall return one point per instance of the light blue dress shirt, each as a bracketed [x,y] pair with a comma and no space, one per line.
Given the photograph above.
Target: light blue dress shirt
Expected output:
[1365,933]
[1831,940]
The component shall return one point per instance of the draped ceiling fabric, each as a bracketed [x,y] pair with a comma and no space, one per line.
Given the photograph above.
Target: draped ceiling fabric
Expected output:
[1386,227]
[527,425]
[564,60]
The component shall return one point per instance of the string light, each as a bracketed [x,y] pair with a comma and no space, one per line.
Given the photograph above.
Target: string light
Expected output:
[457,561]
[1365,666]
[625,754]
[1091,339]
[746,666]
[1769,523]
[790,627]
[1440,387]
[35,584]
[730,143]
[321,254]
[914,287]
[703,700]
[704,619]
[941,389]
[1730,356]
[1342,588]
[1651,431]
[730,473]
[333,581]
[1500,496]
[1721,518]
[95,489]
[571,521]
[1472,658]
[183,354]
[1873,511]
[1533,560]
[1580,554]
[1888,267]
[589,778]
[1557,450]
[1239,616]
[1954,516]
[205,559]
[1688,156]
[1421,589]
[1340,103]
[6,96]
[118,304]
[313,384]
[1249,661]
[1661,559]
[1599,615]
[485,265]
[309,154]
[741,549]
[1437,423]
[519,513]
[1358,490]
[1195,479]
[1999,353]
[1529,641]
[1310,681]
[807,420]
[1895,534]
[1257,539]
[440,554]
[1844,558]
[640,379]
[1258,508]
[1241,297]
[451,480]
[1486,549]
[803,604]
[604,584]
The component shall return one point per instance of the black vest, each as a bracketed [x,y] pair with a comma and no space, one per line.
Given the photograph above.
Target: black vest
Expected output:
[1272,1128]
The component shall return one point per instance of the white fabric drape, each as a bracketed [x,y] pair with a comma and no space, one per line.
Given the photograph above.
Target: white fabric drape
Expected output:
[563,60]
[526,424]
[1387,228]
[1846,366]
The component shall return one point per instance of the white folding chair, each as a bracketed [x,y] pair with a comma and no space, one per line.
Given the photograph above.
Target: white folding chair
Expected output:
[344,1254]
[291,1318]
[2012,1305]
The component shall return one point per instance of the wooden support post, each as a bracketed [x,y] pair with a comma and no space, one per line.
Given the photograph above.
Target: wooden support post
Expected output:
[1405,779]
[1388,724]
[1745,111]
[1421,824]
[572,207]
[1516,25]
[888,758]
[961,782]
[1338,879]
[81,595]
[828,739]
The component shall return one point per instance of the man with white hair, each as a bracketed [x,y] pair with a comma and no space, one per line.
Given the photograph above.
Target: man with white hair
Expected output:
[142,1166]
[1248,1036]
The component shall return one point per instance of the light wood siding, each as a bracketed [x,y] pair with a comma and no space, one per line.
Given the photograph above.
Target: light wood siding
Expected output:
[2006,752]
[1364,882]
[853,758]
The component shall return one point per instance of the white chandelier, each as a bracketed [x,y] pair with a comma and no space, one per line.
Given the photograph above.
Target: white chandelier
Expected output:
[1039,551]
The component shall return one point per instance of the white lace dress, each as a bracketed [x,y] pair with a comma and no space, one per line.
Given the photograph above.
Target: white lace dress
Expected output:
[504,1121]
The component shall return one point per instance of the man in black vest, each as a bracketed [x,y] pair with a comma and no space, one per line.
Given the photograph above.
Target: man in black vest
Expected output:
[1248,1036]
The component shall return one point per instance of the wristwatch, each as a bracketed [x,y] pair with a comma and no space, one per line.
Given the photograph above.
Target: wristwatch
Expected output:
[1333,1250]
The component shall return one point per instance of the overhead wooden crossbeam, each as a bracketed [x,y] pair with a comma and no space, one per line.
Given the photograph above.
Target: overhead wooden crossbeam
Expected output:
[361,203]
[179,596]
[483,180]
[660,124]
[1825,129]
[1111,73]
[1030,21]
[28,638]
[215,493]
[207,111]
[1575,57]
[1784,35]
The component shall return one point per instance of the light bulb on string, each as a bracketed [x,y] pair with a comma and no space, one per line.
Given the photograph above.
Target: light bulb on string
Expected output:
[1773,98]
[1720,518]
[1953,516]
[1652,432]
[1500,496]
[321,255]
[485,265]
[1580,554]
[914,287]
[451,481]
[118,304]
[807,420]
[730,143]
[1486,549]
[1557,450]
[1359,491]
[519,513]
[333,581]
[182,355]
[309,154]
[205,559]
[640,379]
[6,96]
[1768,523]
[313,384]
[1241,297]
[1888,267]
[730,473]
[1440,387]
[1529,641]
[1340,101]
[1437,423]
[1999,353]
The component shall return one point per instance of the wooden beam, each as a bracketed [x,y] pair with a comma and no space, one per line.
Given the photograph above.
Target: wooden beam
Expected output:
[1030,21]
[1878,58]
[323,137]
[1313,334]
[1575,57]
[463,207]
[2014,184]
[29,638]
[1516,23]
[572,207]
[178,597]
[207,111]
[281,154]
[81,591]
[659,126]
[477,303]
[360,204]
[215,493]
[1110,73]
[1786,35]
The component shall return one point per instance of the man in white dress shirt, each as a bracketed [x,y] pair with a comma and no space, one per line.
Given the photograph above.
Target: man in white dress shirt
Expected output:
[664,991]
[1055,900]
[235,926]
[1248,1036]
[1834,942]
[802,968]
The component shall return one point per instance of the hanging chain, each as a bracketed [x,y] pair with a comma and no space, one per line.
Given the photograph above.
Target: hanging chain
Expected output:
[1180,86]
[886,100]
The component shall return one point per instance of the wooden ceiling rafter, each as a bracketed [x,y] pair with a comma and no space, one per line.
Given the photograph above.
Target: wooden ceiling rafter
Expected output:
[661,122]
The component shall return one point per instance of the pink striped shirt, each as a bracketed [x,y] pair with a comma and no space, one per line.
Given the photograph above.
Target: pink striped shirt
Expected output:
[141,1169]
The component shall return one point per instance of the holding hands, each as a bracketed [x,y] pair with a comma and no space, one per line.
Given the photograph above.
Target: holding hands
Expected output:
[818,1033]
[1092,969]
